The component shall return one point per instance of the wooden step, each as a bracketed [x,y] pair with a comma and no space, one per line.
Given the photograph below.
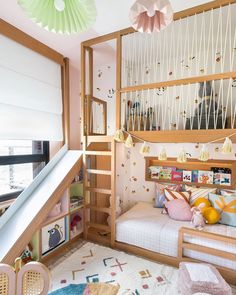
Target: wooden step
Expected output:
[94,236]
[98,209]
[98,190]
[98,226]
[100,172]
[98,153]
[100,138]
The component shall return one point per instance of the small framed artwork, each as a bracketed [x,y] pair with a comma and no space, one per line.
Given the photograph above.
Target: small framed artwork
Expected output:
[177,175]
[225,179]
[187,176]
[216,178]
[53,235]
[205,177]
[194,175]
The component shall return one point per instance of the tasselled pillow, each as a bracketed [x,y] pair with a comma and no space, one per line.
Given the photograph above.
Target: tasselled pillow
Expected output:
[160,193]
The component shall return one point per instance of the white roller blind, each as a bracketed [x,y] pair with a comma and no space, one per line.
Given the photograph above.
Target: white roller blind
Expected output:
[30,94]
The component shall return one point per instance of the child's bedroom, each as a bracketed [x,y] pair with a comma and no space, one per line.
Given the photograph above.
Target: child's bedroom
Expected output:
[117,147]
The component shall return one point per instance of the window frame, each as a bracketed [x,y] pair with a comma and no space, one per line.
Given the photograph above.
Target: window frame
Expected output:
[23,159]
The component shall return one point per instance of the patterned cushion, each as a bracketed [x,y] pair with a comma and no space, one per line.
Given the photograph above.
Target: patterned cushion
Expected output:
[226,205]
[172,195]
[160,194]
[199,193]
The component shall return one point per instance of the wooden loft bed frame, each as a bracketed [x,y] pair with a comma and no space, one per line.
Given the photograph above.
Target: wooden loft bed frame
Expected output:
[166,135]
[98,147]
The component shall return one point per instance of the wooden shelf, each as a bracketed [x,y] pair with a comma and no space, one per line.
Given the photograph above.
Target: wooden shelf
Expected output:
[192,164]
[188,136]
[74,210]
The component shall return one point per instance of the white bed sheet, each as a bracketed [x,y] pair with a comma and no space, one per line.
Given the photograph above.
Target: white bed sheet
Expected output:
[145,227]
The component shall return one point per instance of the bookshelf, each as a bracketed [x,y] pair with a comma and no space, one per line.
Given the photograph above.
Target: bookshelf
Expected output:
[191,165]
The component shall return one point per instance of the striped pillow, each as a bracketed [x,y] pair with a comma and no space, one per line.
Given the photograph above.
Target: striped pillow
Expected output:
[173,195]
[199,193]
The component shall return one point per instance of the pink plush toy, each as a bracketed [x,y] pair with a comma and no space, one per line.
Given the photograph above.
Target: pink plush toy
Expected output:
[197,218]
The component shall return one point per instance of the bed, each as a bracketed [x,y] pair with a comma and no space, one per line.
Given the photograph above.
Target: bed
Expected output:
[146,227]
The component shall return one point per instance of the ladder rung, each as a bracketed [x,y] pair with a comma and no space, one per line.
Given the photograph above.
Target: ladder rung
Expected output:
[100,138]
[98,153]
[98,226]
[99,209]
[98,190]
[101,172]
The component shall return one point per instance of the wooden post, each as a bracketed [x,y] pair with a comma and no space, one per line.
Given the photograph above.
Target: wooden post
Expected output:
[118,80]
[65,82]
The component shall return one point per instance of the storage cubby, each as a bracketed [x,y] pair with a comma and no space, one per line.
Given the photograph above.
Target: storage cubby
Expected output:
[192,165]
[57,231]
[61,209]
[76,224]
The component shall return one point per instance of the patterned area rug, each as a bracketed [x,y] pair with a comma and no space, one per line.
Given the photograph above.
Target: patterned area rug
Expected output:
[136,276]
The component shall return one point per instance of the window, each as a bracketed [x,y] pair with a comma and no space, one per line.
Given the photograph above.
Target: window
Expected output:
[20,162]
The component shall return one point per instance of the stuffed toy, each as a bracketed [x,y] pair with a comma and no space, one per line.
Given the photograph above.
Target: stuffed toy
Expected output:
[204,201]
[27,254]
[197,218]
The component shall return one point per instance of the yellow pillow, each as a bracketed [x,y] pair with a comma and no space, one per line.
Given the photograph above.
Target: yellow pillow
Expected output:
[211,215]
[204,201]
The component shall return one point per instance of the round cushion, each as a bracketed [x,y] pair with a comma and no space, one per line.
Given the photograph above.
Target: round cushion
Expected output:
[211,215]
[179,210]
[204,201]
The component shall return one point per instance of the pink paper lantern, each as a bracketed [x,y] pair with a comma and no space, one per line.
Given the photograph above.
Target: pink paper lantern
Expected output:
[148,16]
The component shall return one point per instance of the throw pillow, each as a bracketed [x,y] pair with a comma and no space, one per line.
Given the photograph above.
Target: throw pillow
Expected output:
[226,205]
[179,210]
[199,193]
[160,193]
[172,195]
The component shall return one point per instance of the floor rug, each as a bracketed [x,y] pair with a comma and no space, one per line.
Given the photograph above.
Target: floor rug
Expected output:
[136,276]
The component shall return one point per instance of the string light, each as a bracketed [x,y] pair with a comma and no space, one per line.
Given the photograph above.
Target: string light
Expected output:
[204,154]
[162,155]
[227,147]
[129,142]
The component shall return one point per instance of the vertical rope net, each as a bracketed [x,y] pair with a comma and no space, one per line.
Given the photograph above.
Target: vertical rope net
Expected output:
[202,44]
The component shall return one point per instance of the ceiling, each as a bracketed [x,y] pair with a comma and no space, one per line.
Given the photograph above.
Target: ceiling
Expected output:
[113,15]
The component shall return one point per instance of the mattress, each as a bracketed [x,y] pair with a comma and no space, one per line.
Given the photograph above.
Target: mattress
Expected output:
[144,226]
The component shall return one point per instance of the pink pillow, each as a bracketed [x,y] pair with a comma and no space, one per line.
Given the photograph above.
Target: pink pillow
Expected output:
[179,210]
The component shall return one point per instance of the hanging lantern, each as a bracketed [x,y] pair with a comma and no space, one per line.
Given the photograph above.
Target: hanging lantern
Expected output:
[182,157]
[119,136]
[162,156]
[148,16]
[61,16]
[204,154]
[129,142]
[227,146]
[145,149]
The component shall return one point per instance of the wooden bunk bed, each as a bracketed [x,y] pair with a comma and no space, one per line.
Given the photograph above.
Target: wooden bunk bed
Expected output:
[100,152]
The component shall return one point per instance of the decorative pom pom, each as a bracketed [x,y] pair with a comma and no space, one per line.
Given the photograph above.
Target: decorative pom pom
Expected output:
[204,154]
[119,136]
[182,157]
[145,149]
[162,154]
[227,146]
[129,142]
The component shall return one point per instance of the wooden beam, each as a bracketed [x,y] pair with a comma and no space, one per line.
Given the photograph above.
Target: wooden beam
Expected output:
[118,80]
[26,40]
[185,81]
[83,89]
[65,79]
[190,136]
[98,190]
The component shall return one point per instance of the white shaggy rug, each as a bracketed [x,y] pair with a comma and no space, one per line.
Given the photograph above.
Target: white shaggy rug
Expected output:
[136,276]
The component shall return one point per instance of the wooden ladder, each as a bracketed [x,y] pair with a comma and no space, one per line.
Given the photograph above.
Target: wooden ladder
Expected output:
[99,189]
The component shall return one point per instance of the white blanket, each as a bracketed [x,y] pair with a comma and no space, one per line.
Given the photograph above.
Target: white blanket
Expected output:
[145,227]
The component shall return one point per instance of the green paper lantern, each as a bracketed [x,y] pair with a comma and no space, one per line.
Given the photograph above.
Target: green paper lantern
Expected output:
[61,16]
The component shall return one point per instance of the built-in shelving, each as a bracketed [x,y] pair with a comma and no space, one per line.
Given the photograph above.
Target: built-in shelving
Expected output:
[190,165]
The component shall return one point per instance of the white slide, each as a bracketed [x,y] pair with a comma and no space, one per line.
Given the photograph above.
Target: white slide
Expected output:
[23,215]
